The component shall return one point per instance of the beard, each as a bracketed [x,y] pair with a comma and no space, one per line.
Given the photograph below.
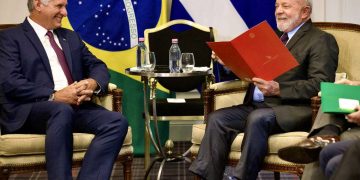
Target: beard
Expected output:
[288,24]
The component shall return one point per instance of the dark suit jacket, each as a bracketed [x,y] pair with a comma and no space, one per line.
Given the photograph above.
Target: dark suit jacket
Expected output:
[317,54]
[25,73]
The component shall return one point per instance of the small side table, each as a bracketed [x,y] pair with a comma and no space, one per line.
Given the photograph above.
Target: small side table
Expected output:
[149,79]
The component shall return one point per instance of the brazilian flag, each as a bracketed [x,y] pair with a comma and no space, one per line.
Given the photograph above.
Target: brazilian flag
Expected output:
[110,29]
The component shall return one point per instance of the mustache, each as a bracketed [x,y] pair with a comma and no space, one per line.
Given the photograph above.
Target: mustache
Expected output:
[281,17]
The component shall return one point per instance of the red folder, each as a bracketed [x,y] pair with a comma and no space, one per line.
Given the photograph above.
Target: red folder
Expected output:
[256,53]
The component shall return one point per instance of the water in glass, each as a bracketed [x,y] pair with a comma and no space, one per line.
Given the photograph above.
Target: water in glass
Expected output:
[187,62]
[150,62]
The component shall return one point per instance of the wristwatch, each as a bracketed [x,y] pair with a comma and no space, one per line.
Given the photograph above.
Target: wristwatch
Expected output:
[52,97]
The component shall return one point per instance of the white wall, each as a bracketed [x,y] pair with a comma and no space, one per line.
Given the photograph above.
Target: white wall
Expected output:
[14,11]
[336,11]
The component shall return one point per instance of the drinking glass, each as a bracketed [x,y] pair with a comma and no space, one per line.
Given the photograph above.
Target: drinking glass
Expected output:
[150,62]
[187,62]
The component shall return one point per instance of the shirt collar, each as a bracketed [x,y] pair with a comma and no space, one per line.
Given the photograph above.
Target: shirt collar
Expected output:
[292,33]
[39,30]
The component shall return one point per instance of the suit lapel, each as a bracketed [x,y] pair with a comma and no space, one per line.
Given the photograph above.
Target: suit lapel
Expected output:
[301,32]
[65,46]
[34,39]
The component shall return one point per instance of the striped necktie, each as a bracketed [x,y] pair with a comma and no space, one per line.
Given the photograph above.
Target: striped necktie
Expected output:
[284,38]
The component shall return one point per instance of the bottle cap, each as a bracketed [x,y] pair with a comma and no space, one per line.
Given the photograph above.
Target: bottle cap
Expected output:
[174,40]
[141,39]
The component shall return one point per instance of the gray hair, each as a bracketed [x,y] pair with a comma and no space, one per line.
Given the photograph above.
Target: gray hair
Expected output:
[31,6]
[309,3]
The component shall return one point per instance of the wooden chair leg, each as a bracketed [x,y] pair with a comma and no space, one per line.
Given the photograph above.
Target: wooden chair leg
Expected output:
[127,169]
[196,177]
[4,174]
[276,175]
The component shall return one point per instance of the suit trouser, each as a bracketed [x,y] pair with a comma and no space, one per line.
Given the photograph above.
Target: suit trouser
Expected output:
[350,163]
[323,119]
[58,121]
[222,128]
[331,156]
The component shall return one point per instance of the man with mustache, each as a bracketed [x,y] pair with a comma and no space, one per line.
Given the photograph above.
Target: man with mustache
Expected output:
[48,77]
[271,107]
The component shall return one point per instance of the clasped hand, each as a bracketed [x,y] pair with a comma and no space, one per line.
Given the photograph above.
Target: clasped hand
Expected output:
[268,88]
[77,92]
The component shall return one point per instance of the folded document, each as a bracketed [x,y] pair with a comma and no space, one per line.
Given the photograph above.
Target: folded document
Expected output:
[256,53]
[339,98]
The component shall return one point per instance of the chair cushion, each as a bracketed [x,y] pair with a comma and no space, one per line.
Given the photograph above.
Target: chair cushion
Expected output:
[276,141]
[31,144]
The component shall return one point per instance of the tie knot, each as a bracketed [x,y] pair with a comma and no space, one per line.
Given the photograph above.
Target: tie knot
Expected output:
[50,34]
[284,38]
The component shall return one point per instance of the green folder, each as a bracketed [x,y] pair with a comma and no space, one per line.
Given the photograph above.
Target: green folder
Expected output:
[339,98]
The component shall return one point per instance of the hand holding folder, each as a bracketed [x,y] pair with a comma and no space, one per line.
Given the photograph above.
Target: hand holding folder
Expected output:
[256,53]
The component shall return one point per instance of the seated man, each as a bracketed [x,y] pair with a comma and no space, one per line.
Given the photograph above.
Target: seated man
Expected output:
[47,79]
[326,129]
[331,155]
[271,107]
[349,165]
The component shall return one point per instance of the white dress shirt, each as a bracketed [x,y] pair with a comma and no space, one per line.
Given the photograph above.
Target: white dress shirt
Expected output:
[58,74]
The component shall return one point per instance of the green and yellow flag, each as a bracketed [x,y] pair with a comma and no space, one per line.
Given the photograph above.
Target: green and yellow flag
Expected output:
[111,30]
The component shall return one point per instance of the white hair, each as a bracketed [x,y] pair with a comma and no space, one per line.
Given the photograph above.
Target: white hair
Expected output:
[309,3]
[31,5]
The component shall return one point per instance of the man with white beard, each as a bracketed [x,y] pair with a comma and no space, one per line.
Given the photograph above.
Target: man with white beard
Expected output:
[270,107]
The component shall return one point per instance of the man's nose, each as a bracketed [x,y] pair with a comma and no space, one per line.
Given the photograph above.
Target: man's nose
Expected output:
[63,11]
[279,10]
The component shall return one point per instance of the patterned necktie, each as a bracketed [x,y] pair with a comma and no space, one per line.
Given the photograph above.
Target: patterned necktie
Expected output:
[284,38]
[61,56]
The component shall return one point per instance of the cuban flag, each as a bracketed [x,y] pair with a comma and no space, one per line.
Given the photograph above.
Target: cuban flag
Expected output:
[229,18]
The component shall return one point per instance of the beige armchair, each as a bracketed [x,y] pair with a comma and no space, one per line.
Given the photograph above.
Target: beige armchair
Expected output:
[21,153]
[230,93]
[348,38]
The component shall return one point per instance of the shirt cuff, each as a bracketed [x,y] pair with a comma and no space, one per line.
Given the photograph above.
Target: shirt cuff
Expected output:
[98,90]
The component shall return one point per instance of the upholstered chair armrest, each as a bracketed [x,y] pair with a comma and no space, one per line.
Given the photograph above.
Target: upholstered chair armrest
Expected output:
[316,100]
[224,94]
[112,100]
[229,86]
[315,105]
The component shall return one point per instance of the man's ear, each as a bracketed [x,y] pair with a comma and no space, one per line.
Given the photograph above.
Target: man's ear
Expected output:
[305,12]
[37,5]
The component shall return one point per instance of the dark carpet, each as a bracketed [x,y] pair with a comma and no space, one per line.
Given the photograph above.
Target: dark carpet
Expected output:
[172,170]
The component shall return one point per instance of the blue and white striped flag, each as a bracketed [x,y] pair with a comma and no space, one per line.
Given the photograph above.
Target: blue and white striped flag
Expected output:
[229,18]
